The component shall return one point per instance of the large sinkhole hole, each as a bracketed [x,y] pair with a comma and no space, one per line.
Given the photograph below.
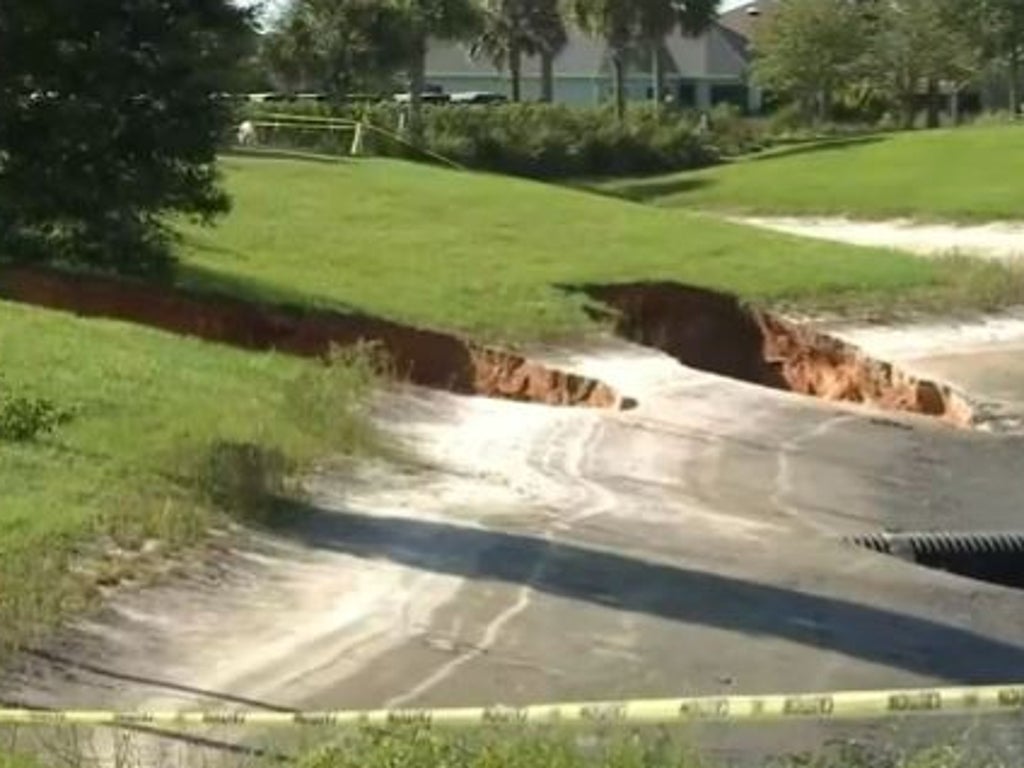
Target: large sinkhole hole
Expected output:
[717,333]
[993,557]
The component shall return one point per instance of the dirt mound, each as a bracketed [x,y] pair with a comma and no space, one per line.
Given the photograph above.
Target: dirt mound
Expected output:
[714,332]
[428,358]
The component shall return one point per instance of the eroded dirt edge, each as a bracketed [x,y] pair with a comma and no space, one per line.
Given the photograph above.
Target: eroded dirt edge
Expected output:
[715,332]
[424,357]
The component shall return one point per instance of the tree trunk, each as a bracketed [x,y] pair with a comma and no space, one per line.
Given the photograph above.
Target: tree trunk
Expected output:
[417,85]
[908,112]
[1015,81]
[547,77]
[515,71]
[657,74]
[619,78]
[933,103]
[954,105]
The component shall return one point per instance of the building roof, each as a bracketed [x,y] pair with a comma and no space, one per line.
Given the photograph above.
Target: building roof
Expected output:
[743,20]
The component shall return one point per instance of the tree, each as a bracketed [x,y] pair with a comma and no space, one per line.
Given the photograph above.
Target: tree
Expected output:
[807,49]
[514,28]
[659,20]
[420,21]
[110,118]
[625,23]
[336,45]
[915,46]
[998,29]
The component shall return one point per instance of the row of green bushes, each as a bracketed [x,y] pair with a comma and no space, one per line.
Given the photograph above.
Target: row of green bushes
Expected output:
[535,140]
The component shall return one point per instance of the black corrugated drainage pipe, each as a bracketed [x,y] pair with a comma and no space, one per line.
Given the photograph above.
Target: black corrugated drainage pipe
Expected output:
[995,556]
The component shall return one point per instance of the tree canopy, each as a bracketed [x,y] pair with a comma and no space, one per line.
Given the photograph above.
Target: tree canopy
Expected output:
[110,118]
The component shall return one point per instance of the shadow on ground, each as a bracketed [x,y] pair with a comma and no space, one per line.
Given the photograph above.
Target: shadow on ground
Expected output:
[622,583]
[650,190]
[826,145]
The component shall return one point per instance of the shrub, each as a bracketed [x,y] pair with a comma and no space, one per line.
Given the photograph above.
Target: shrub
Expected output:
[543,141]
[25,417]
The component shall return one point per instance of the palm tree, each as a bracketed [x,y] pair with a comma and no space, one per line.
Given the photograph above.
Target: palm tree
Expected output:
[422,20]
[616,22]
[623,23]
[551,37]
[694,17]
[514,28]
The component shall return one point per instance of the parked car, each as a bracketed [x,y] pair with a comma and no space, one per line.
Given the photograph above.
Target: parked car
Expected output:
[427,97]
[478,97]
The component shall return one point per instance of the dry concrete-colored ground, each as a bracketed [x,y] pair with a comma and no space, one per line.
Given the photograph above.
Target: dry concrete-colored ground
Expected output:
[1002,241]
[689,546]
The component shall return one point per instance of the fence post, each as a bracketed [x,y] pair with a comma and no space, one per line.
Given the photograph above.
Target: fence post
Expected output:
[357,140]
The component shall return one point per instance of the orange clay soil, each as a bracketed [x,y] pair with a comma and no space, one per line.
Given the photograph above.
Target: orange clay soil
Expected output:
[423,357]
[714,332]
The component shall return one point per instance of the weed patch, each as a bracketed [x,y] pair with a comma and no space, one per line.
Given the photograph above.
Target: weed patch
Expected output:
[25,417]
[169,437]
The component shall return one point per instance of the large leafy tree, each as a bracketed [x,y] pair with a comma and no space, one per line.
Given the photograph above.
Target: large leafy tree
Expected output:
[998,28]
[809,49]
[916,45]
[624,24]
[109,120]
[513,28]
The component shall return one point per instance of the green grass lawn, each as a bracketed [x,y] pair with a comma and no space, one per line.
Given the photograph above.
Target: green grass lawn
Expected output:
[966,174]
[133,462]
[486,254]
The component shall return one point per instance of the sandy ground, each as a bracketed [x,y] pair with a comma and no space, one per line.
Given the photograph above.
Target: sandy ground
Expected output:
[1002,241]
[688,546]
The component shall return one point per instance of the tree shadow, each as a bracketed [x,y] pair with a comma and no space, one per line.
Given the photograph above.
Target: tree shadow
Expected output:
[876,635]
[286,154]
[646,190]
[815,147]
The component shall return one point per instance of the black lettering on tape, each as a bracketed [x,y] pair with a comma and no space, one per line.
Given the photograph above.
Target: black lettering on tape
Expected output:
[315,718]
[925,701]
[603,712]
[224,718]
[505,715]
[1012,698]
[47,718]
[808,706]
[133,718]
[705,708]
[410,717]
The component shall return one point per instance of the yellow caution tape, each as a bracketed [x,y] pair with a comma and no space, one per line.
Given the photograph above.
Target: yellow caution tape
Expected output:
[851,704]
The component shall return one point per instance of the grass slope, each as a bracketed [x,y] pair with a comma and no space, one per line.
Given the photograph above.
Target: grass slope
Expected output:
[486,254]
[967,174]
[148,407]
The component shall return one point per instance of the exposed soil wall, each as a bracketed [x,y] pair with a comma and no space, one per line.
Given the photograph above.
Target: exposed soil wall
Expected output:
[427,358]
[714,332]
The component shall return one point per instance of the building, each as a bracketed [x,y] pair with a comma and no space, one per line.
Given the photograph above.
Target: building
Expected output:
[698,72]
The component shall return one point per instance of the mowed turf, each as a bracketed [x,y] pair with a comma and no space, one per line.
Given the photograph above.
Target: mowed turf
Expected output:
[147,406]
[490,255]
[966,174]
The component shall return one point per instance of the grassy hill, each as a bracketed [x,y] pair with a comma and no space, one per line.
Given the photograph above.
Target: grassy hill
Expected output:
[487,254]
[967,174]
[482,254]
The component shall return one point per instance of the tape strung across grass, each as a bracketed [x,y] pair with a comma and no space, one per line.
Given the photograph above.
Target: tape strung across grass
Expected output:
[777,707]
